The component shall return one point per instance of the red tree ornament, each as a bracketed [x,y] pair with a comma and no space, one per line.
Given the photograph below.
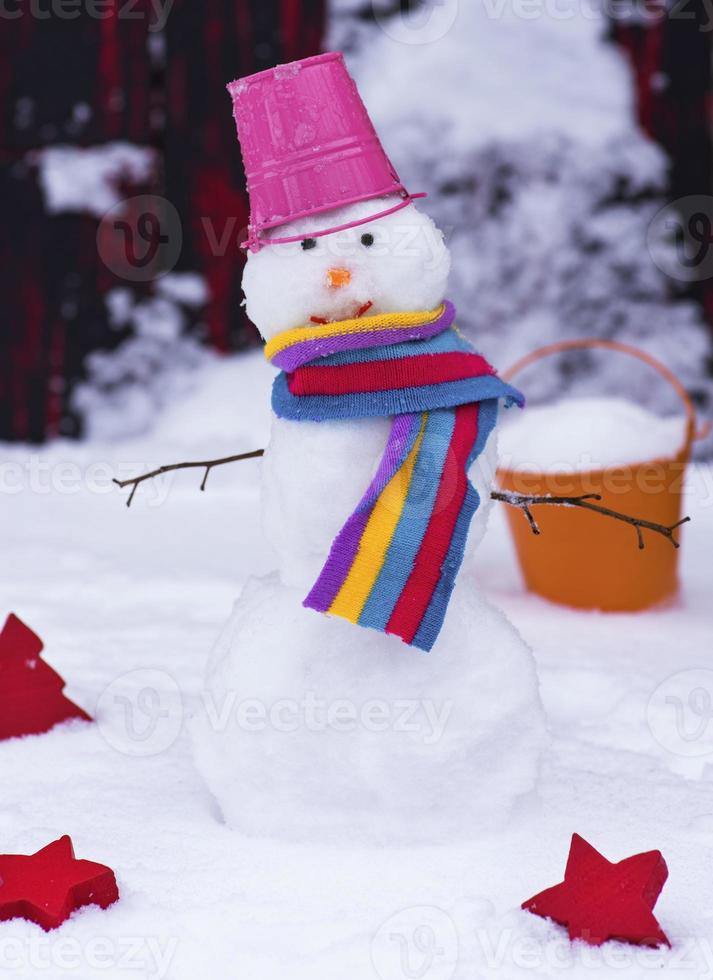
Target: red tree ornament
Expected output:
[31,698]
[48,886]
[599,900]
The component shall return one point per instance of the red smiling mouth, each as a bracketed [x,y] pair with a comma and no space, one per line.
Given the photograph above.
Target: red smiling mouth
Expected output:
[364,309]
[359,313]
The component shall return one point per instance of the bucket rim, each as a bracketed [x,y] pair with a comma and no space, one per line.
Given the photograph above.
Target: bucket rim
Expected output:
[693,433]
[236,86]
[254,242]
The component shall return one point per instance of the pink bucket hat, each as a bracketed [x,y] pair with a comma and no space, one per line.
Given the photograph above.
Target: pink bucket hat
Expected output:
[308,146]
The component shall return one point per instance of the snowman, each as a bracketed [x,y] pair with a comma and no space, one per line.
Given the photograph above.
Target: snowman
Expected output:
[365,690]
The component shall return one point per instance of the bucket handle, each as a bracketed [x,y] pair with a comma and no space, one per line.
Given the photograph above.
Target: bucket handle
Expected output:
[693,432]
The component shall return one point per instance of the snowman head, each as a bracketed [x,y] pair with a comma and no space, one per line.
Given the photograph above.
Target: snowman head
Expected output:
[397,263]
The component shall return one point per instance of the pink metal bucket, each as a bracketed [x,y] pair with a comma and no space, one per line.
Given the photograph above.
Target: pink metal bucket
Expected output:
[308,145]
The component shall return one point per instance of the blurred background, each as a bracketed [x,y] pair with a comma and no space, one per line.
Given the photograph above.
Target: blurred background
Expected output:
[566,146]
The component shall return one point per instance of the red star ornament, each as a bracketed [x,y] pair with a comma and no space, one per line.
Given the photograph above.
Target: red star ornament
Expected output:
[598,900]
[31,698]
[48,886]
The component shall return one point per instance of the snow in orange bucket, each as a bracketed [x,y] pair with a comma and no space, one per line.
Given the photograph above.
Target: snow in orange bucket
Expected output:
[633,460]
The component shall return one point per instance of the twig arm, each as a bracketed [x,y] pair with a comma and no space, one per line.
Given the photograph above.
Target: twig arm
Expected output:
[525,502]
[207,465]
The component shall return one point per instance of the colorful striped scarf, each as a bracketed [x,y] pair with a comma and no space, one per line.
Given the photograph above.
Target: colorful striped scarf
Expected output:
[393,565]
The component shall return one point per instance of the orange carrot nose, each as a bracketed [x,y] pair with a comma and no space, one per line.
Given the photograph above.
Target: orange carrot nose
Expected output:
[339,277]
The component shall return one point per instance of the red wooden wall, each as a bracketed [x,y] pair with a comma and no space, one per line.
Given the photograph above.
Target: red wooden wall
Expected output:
[52,281]
[671,60]
[209,44]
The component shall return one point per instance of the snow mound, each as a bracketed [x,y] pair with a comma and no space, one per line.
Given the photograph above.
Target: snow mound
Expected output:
[581,434]
[306,731]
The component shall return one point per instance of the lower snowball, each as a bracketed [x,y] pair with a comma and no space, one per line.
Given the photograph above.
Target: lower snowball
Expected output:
[310,728]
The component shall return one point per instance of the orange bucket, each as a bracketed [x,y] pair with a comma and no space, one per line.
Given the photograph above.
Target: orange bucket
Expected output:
[583,559]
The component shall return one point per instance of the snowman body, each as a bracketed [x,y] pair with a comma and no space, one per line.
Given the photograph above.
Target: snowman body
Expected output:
[335,730]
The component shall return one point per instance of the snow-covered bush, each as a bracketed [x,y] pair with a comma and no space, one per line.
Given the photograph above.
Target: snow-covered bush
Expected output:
[154,365]
[156,347]
[520,125]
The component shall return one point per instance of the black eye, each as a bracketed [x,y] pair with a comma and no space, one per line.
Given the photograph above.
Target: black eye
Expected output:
[367,240]
[309,243]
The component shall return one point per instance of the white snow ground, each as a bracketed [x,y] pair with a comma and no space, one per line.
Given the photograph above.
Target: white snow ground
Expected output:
[129,603]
